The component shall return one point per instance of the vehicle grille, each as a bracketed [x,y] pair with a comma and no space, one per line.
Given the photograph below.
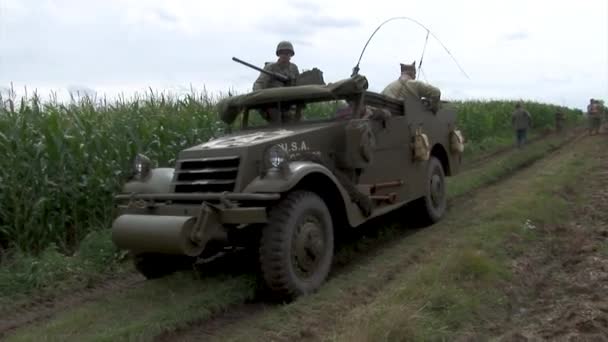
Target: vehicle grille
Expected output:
[216,174]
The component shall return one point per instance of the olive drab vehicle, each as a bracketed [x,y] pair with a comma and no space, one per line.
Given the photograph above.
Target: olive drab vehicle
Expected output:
[284,187]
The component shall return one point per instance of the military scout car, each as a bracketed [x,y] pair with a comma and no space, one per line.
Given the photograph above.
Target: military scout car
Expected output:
[285,187]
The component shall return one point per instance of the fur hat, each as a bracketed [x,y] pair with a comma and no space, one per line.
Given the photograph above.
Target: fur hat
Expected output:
[409,68]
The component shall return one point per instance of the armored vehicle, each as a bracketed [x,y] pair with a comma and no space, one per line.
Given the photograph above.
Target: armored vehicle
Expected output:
[337,156]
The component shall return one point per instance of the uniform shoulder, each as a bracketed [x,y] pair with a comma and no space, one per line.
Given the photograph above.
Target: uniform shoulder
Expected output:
[269,65]
[393,84]
[424,87]
[417,82]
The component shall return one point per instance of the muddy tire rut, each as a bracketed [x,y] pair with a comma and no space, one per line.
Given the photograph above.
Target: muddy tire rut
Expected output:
[44,308]
[565,282]
[264,301]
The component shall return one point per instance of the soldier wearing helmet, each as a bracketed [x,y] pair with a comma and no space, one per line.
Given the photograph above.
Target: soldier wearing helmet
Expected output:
[407,84]
[283,66]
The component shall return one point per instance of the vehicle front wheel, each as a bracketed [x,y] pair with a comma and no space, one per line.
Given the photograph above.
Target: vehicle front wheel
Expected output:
[297,245]
[434,201]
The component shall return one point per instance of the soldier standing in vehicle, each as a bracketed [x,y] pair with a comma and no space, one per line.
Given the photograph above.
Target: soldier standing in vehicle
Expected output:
[407,84]
[593,113]
[521,121]
[283,66]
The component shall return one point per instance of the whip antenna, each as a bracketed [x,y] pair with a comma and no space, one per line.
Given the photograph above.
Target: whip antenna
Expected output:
[426,40]
[356,68]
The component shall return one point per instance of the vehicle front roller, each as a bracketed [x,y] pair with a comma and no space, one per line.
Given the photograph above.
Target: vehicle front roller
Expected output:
[297,245]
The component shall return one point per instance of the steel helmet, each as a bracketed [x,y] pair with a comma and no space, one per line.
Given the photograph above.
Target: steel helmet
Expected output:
[285,45]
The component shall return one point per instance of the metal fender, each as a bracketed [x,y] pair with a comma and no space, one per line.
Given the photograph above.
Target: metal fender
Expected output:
[283,180]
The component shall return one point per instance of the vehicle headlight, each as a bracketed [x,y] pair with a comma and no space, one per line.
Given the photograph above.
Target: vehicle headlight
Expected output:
[275,156]
[141,166]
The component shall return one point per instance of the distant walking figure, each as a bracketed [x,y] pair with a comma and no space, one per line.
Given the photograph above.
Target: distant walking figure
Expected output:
[521,121]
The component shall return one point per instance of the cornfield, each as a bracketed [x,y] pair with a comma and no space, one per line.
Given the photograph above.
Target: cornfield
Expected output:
[485,119]
[62,162]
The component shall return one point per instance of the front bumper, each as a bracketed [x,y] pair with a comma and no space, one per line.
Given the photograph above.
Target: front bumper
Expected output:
[209,196]
[163,223]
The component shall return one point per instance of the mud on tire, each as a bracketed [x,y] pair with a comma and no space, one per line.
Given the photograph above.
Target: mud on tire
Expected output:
[297,245]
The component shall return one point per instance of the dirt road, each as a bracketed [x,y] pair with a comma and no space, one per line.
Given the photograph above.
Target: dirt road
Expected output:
[555,286]
[370,271]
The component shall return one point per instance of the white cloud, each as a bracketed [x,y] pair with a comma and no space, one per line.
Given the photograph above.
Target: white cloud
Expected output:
[551,50]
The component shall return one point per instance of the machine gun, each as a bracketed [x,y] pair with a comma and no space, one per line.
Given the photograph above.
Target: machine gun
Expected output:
[276,75]
[314,76]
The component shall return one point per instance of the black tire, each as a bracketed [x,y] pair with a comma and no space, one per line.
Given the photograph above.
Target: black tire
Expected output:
[433,204]
[297,245]
[154,266]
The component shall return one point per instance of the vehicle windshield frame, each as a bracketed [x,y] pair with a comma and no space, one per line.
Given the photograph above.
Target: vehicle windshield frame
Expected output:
[244,122]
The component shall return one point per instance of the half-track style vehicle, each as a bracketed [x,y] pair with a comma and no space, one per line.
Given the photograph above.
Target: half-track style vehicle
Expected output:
[332,156]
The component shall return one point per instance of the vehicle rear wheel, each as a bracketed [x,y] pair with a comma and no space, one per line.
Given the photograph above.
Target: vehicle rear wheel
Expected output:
[297,245]
[434,202]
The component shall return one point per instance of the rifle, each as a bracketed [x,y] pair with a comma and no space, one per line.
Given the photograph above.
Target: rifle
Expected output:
[276,75]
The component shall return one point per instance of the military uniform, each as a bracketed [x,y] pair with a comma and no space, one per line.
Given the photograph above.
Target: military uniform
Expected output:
[287,68]
[266,81]
[593,113]
[522,121]
[559,120]
[399,88]
[272,114]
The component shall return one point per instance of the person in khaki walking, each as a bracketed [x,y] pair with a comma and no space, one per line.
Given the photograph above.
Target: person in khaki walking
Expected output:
[560,118]
[521,121]
[593,113]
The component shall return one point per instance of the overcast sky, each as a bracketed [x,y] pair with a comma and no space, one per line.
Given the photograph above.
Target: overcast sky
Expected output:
[545,50]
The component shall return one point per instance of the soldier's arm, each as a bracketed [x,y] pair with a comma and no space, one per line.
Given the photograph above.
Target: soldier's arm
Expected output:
[391,90]
[262,81]
[428,91]
[294,74]
[295,70]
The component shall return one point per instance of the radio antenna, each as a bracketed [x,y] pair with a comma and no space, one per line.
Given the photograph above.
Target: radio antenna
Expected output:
[356,68]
